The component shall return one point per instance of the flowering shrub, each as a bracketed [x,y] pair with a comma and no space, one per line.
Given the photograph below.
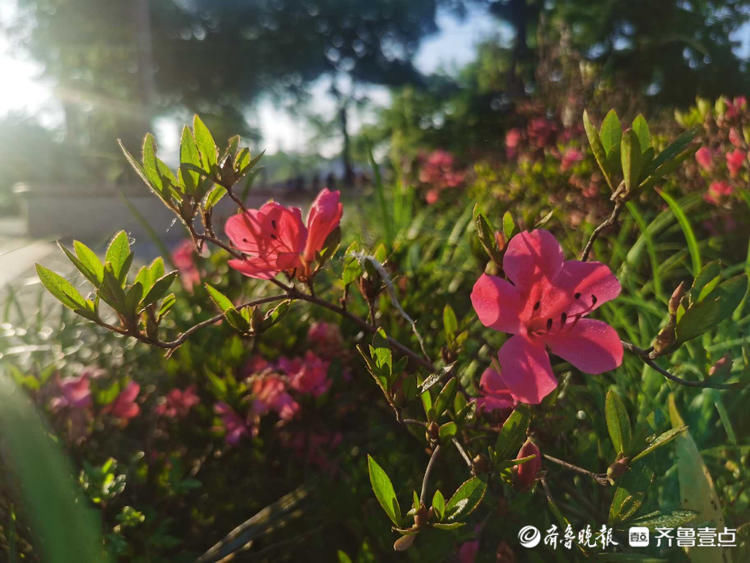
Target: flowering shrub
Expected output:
[422,392]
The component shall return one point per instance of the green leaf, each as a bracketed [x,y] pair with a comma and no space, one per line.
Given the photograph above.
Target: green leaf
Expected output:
[508,225]
[166,305]
[630,156]
[133,296]
[384,492]
[697,492]
[111,290]
[450,323]
[189,155]
[222,301]
[513,433]
[466,499]
[86,261]
[610,133]
[705,281]
[630,493]
[119,255]
[447,430]
[381,352]
[206,144]
[352,266]
[61,288]
[156,268]
[640,127]
[214,196]
[438,504]
[596,147]
[687,230]
[679,145]
[451,526]
[486,237]
[660,441]
[159,288]
[150,168]
[444,398]
[712,309]
[674,519]
[618,422]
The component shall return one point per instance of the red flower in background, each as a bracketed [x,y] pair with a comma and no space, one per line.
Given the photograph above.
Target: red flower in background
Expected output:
[184,259]
[234,425]
[569,158]
[512,140]
[705,158]
[735,160]
[178,403]
[716,191]
[543,304]
[276,240]
[75,392]
[124,406]
[271,395]
[308,374]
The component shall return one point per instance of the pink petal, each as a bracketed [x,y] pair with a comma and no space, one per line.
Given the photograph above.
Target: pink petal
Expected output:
[526,369]
[258,268]
[531,255]
[245,230]
[591,346]
[587,285]
[497,303]
[325,214]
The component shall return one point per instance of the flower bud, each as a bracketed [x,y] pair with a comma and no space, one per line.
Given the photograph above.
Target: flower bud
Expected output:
[618,469]
[721,368]
[674,300]
[527,472]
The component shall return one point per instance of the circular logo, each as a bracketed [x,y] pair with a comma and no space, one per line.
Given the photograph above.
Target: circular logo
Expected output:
[529,536]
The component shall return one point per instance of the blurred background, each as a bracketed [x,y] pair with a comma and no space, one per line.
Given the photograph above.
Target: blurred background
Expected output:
[318,84]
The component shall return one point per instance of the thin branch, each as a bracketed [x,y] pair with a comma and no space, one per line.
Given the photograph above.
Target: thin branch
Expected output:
[427,472]
[646,358]
[463,453]
[607,223]
[600,478]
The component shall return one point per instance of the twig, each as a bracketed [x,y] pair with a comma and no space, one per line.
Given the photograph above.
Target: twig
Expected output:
[427,471]
[646,358]
[600,478]
[607,223]
[463,453]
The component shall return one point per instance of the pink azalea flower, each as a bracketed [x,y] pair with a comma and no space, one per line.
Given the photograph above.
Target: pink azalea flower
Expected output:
[569,158]
[735,160]
[527,472]
[326,338]
[271,395]
[541,131]
[234,426]
[512,140]
[542,304]
[735,138]
[495,395]
[276,240]
[467,553]
[184,259]
[75,392]
[705,158]
[308,375]
[438,171]
[735,107]
[716,191]
[178,403]
[432,196]
[124,406]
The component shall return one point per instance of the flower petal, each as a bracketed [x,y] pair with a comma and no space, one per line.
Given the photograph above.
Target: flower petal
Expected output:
[497,303]
[588,284]
[245,230]
[324,216]
[531,255]
[591,346]
[526,370]
[258,268]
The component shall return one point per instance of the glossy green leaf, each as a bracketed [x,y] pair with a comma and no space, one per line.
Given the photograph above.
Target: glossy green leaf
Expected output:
[596,147]
[222,301]
[630,493]
[508,225]
[384,492]
[466,499]
[630,156]
[450,323]
[61,288]
[513,433]
[206,144]
[159,288]
[660,441]
[640,127]
[119,255]
[444,398]
[438,504]
[610,133]
[712,309]
[447,430]
[618,422]
[695,255]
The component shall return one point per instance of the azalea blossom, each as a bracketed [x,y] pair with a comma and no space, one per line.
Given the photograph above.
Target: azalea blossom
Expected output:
[735,160]
[326,338]
[178,403]
[705,158]
[569,158]
[512,140]
[75,392]
[543,304]
[275,239]
[495,394]
[124,406]
[527,472]
[308,374]
[271,395]
[735,138]
[234,425]
[716,191]
[183,258]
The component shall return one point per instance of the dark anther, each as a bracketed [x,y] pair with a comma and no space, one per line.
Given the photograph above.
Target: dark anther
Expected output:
[273,223]
[274,237]
[563,318]
[593,300]
[244,239]
[549,324]
[577,296]
[537,305]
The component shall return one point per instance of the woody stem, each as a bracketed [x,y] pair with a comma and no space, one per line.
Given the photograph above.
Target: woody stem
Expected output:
[608,222]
